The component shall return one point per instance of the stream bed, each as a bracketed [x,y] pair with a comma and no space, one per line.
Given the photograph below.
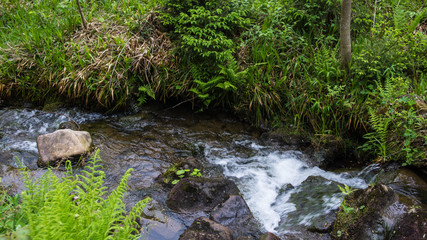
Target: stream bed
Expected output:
[285,191]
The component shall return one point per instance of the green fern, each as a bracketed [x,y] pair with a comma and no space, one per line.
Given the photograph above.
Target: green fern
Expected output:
[380,124]
[398,130]
[75,207]
[220,88]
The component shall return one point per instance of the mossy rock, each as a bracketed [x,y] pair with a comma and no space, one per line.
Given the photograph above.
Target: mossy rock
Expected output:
[365,220]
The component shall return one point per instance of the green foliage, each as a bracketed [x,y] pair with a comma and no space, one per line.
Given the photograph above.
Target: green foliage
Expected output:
[145,91]
[175,173]
[204,29]
[45,54]
[183,172]
[346,190]
[76,206]
[270,62]
[399,129]
[222,88]
[205,33]
[11,214]
[315,18]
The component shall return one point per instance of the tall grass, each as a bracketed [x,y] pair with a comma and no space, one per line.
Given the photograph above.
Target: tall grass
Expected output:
[45,53]
[273,62]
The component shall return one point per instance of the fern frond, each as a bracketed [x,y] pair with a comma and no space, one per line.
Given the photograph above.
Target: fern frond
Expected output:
[74,207]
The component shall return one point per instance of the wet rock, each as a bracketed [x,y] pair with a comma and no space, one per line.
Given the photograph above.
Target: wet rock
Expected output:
[412,226]
[62,144]
[206,229]
[331,152]
[69,125]
[323,224]
[269,236]
[367,219]
[200,194]
[235,214]
[159,224]
[52,106]
[305,235]
[406,182]
[315,195]
[284,139]
[244,238]
[379,212]
[153,211]
[6,158]
[171,229]
[285,188]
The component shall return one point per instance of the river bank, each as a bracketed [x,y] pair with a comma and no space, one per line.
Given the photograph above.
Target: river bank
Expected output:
[282,183]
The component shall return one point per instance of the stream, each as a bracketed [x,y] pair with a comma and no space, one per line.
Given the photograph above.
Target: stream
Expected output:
[285,191]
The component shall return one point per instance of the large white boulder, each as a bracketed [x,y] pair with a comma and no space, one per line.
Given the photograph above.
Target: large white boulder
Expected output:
[62,144]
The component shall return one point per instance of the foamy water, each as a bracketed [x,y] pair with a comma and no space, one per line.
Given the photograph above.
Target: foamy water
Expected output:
[19,128]
[263,180]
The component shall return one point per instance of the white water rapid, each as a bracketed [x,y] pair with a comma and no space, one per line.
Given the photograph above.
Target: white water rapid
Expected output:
[268,179]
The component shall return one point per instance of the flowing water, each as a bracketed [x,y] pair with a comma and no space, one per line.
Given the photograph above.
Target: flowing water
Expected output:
[282,188]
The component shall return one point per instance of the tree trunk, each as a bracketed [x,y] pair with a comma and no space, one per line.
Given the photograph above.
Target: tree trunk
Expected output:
[345,38]
[81,15]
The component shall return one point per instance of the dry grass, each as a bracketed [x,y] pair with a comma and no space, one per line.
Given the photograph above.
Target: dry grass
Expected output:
[101,64]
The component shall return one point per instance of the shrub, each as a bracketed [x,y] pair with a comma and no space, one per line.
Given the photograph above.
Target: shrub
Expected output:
[205,34]
[398,118]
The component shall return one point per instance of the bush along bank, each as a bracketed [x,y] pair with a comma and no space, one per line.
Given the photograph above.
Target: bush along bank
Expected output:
[277,66]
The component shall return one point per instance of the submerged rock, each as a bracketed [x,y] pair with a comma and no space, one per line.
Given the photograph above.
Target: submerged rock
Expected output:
[200,194]
[206,229]
[62,144]
[235,214]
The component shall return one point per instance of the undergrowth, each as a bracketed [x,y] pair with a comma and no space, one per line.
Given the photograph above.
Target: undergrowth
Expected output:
[46,54]
[272,63]
[77,206]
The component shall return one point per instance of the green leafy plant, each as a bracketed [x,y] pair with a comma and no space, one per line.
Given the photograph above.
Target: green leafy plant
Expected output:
[346,190]
[145,91]
[182,173]
[205,33]
[314,17]
[77,207]
[176,172]
[11,214]
[399,131]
